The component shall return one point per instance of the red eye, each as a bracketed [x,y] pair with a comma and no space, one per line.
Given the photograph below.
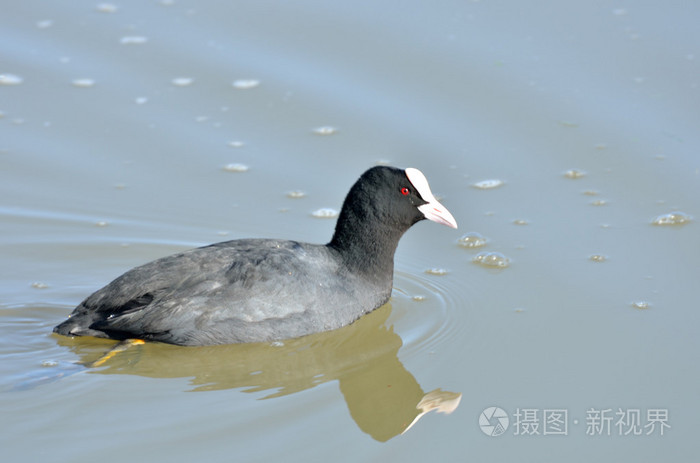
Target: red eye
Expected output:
[405,191]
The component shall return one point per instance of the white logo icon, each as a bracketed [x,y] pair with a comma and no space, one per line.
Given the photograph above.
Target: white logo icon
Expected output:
[493,421]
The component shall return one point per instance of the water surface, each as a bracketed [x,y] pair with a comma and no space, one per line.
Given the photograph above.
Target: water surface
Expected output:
[559,133]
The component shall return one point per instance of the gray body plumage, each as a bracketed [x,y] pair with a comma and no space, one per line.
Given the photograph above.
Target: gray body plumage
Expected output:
[236,291]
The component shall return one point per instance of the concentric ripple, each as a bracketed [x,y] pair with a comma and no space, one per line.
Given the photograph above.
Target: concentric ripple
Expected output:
[424,312]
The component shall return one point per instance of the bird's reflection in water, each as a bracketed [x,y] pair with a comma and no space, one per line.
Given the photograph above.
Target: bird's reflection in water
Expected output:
[383,398]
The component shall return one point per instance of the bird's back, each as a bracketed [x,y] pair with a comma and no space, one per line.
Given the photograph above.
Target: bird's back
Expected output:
[235,291]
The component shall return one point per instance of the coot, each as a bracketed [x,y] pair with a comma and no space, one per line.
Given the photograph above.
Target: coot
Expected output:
[253,290]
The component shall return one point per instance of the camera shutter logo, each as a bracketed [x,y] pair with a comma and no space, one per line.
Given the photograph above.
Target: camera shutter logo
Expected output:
[493,421]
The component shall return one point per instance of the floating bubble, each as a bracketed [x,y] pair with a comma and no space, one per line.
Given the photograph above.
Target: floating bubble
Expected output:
[296,194]
[599,202]
[83,83]
[574,173]
[245,84]
[182,81]
[39,285]
[521,222]
[325,213]
[106,8]
[325,130]
[641,305]
[235,167]
[491,259]
[236,144]
[133,40]
[101,223]
[598,258]
[418,298]
[672,218]
[437,271]
[488,184]
[472,240]
[141,100]
[10,79]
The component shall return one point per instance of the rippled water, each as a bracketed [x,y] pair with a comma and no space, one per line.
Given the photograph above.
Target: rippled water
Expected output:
[563,138]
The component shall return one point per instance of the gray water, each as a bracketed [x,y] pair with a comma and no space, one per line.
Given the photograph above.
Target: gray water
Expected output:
[133,130]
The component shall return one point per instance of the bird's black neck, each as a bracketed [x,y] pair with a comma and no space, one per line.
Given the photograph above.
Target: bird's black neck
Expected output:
[366,244]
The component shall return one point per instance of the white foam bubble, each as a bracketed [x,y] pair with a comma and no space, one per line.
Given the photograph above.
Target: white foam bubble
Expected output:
[488,184]
[672,218]
[472,240]
[83,83]
[325,213]
[245,84]
[133,40]
[491,259]
[574,173]
[10,79]
[236,167]
[182,81]
[437,271]
[325,130]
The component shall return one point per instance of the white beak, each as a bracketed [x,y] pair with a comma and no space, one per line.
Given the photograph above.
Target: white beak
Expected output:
[433,210]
